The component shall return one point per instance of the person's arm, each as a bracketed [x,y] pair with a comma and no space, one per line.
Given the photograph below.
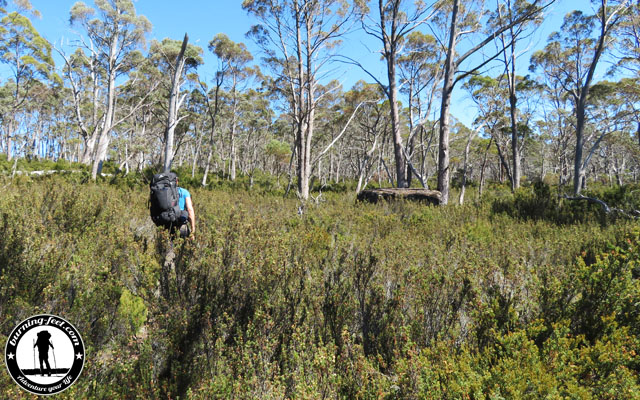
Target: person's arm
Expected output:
[192,214]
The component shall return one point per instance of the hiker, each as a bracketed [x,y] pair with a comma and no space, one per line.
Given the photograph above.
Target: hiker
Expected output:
[43,344]
[170,206]
[187,223]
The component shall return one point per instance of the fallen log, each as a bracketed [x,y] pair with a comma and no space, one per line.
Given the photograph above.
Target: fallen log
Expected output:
[422,195]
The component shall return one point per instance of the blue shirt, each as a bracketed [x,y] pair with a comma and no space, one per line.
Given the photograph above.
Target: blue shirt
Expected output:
[183,193]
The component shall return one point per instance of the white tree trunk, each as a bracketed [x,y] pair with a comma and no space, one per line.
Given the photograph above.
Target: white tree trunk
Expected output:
[174,106]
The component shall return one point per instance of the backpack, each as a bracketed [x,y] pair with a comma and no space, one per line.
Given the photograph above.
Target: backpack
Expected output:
[163,199]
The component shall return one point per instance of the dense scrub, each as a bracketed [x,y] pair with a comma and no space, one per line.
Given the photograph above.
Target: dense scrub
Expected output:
[346,300]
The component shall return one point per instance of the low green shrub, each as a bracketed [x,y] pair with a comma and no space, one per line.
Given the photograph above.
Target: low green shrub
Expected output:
[542,202]
[347,300]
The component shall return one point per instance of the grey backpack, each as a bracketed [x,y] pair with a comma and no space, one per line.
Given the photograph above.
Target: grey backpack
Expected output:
[163,199]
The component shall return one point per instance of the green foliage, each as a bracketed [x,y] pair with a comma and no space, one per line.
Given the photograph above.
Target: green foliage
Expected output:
[626,197]
[22,47]
[279,150]
[540,202]
[348,300]
[536,202]
[132,310]
[25,165]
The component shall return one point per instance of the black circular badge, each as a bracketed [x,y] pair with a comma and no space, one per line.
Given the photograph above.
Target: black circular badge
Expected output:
[44,354]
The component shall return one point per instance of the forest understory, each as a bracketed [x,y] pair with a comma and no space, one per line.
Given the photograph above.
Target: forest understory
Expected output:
[514,296]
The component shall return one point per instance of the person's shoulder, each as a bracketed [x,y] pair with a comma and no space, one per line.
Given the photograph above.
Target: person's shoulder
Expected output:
[184,192]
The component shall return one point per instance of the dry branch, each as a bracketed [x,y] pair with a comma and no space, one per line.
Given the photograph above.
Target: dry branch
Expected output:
[631,214]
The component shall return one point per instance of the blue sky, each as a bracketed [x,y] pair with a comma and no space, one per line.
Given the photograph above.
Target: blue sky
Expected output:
[203,19]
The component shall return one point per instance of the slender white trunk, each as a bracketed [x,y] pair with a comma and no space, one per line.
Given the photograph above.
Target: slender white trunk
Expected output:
[447,90]
[103,138]
[174,106]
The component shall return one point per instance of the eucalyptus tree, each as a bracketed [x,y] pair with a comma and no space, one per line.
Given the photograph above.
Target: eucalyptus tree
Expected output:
[277,156]
[282,129]
[175,102]
[233,59]
[225,50]
[143,99]
[299,37]
[467,19]
[176,63]
[466,135]
[629,53]
[212,110]
[571,58]
[610,120]
[619,153]
[197,120]
[114,33]
[83,75]
[391,23]
[39,120]
[28,57]
[141,133]
[254,120]
[44,115]
[58,129]
[630,90]
[370,127]
[509,39]
[628,34]
[488,94]
[332,127]
[557,124]
[497,117]
[420,73]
